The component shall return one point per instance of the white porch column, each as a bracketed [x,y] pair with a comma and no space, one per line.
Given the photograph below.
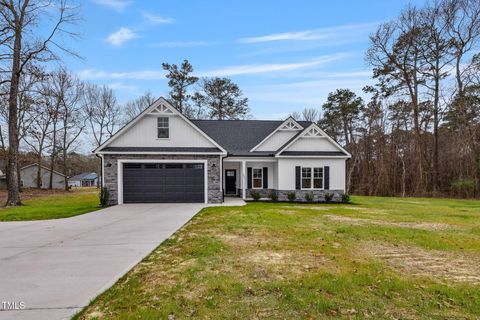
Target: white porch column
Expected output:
[244,180]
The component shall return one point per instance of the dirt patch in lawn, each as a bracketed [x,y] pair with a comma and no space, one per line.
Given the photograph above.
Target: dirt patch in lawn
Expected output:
[307,207]
[430,226]
[420,262]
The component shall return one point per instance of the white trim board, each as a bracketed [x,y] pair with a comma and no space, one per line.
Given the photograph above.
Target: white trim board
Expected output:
[120,163]
[249,159]
[159,153]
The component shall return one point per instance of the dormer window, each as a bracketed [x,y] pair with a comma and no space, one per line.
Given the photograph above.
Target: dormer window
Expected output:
[163,128]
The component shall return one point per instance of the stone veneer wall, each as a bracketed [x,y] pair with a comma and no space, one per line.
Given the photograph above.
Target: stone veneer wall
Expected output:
[111,179]
[318,195]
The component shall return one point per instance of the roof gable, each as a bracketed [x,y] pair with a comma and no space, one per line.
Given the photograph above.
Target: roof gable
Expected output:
[42,167]
[312,141]
[141,131]
[284,132]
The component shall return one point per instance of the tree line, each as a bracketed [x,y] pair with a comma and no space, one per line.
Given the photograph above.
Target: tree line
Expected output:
[419,131]
[47,111]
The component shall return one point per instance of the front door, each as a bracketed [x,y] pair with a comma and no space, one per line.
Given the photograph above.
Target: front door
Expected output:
[230,181]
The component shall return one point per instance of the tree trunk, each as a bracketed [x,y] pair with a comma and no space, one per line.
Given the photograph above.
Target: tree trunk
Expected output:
[39,170]
[52,157]
[436,107]
[13,198]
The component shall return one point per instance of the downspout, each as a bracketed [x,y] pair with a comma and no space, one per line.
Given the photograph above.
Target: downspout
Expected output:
[101,173]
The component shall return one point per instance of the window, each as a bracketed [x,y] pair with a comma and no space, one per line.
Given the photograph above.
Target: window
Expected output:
[163,128]
[317,178]
[312,178]
[306,178]
[257,178]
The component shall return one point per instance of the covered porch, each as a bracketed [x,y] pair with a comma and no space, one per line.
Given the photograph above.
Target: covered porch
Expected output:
[244,175]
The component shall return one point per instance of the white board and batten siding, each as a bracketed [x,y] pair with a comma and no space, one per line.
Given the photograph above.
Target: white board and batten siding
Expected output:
[277,140]
[144,134]
[286,180]
[312,144]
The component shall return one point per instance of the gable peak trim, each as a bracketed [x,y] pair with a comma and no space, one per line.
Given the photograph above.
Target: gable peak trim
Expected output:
[161,109]
[290,124]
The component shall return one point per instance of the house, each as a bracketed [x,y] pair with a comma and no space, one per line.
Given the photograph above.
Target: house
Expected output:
[161,156]
[28,177]
[3,180]
[86,179]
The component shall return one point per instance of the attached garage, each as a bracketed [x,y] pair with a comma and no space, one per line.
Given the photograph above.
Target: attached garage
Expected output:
[163,182]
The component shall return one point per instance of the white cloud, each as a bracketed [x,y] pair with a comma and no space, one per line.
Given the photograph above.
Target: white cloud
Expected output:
[118,5]
[183,44]
[92,74]
[121,36]
[309,35]
[299,36]
[273,67]
[155,19]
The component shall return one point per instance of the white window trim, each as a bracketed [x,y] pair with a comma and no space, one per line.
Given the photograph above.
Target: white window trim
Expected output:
[312,178]
[168,127]
[261,170]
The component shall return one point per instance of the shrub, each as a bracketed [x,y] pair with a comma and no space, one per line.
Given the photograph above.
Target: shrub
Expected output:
[309,197]
[255,195]
[345,198]
[328,197]
[104,197]
[464,187]
[273,195]
[291,196]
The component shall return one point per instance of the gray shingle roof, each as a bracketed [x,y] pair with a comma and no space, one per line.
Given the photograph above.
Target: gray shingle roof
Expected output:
[84,176]
[238,137]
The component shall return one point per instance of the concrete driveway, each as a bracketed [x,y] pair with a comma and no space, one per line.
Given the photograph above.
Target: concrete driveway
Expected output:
[56,267]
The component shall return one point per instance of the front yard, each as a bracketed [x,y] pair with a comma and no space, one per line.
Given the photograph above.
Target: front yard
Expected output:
[50,204]
[380,258]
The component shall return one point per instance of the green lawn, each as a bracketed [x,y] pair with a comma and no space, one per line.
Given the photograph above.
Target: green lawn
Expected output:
[62,205]
[379,258]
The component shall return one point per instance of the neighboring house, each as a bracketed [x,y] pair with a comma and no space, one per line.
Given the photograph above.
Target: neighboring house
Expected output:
[86,179]
[3,180]
[161,156]
[28,177]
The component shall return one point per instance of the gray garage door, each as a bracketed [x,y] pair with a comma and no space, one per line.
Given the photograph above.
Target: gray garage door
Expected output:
[163,182]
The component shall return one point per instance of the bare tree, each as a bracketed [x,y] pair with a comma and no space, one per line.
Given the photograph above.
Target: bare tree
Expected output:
[20,44]
[395,54]
[102,112]
[68,92]
[134,107]
[310,114]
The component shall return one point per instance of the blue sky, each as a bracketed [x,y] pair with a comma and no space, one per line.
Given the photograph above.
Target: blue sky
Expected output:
[285,55]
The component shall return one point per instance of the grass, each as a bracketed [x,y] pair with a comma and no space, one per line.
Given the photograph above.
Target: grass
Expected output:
[379,258]
[43,205]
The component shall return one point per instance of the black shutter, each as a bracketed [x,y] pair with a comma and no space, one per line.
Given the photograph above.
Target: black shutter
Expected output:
[298,172]
[326,173]
[265,178]
[249,178]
